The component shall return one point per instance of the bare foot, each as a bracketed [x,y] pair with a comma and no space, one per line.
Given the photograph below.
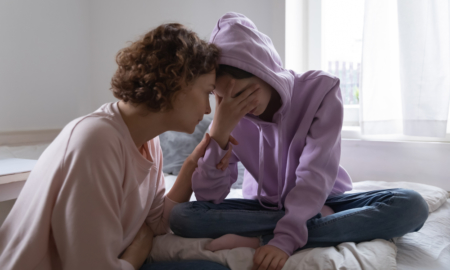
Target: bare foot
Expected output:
[230,241]
[326,211]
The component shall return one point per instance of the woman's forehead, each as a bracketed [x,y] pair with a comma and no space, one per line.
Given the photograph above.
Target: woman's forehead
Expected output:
[222,84]
[209,79]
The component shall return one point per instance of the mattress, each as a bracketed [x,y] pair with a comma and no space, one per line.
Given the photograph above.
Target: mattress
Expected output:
[427,249]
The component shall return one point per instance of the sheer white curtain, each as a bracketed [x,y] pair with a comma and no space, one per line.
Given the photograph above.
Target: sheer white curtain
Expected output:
[406,67]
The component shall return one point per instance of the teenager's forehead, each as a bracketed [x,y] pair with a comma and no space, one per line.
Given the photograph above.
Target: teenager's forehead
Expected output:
[223,82]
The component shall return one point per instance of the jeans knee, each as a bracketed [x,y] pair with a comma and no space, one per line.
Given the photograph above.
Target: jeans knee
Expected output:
[416,206]
[187,219]
[180,219]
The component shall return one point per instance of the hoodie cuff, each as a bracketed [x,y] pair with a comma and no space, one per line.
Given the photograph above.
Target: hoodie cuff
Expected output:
[214,153]
[283,242]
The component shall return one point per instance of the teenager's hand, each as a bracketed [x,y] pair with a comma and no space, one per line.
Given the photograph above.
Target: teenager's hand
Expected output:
[230,110]
[269,257]
[140,248]
[223,164]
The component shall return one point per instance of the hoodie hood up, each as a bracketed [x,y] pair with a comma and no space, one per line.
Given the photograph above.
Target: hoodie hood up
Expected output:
[291,163]
[244,47]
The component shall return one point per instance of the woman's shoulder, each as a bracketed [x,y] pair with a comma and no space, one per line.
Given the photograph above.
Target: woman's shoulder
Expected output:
[100,126]
[95,132]
[94,129]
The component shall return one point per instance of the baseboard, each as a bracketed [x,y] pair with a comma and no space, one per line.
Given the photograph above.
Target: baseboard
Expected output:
[14,138]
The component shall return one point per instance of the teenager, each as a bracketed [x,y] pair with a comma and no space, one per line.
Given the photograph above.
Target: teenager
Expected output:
[290,145]
[95,198]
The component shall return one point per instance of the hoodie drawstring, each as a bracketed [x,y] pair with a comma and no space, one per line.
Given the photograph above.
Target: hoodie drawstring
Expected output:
[261,171]
[280,166]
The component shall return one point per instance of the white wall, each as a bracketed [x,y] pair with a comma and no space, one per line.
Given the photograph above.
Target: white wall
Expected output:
[114,23]
[57,57]
[419,162]
[44,63]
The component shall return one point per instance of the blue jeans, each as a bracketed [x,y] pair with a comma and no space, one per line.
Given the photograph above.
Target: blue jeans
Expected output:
[184,265]
[380,214]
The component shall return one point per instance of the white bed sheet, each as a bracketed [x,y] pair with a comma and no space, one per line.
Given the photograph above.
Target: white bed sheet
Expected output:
[427,249]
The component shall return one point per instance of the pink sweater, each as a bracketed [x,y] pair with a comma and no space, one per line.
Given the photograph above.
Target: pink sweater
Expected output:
[87,197]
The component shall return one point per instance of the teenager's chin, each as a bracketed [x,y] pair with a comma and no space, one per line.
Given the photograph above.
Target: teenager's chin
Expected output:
[254,112]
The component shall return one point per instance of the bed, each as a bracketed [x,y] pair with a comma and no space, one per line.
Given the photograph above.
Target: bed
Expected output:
[427,249]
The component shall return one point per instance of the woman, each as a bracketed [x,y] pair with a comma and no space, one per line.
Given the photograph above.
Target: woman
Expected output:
[290,146]
[95,198]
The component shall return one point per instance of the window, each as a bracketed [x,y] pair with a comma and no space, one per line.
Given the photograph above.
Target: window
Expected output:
[342,29]
[327,35]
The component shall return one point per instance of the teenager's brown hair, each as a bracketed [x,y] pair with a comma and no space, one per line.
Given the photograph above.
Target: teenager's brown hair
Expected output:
[153,69]
[234,72]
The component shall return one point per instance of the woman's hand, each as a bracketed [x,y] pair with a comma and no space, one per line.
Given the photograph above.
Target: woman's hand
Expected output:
[200,150]
[140,248]
[269,257]
[182,188]
[230,110]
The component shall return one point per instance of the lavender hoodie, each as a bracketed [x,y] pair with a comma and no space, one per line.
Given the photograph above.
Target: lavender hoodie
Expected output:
[292,162]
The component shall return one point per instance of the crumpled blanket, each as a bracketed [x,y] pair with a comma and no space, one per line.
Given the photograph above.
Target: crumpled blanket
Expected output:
[375,254]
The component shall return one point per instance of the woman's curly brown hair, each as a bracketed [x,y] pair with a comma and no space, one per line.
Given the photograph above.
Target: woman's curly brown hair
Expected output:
[153,69]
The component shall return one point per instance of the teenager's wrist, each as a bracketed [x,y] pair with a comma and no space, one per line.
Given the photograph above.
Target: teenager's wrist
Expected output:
[221,138]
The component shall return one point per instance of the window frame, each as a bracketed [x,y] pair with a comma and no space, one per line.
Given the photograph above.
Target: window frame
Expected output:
[303,49]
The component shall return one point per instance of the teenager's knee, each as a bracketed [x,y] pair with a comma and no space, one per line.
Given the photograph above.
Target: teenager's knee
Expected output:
[185,219]
[180,219]
[414,205]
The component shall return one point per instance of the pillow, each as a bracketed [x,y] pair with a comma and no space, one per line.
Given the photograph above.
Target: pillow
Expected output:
[177,146]
[434,196]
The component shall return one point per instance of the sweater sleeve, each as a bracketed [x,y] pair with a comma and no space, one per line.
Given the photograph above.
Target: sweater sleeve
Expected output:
[316,174]
[85,220]
[210,183]
[158,216]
